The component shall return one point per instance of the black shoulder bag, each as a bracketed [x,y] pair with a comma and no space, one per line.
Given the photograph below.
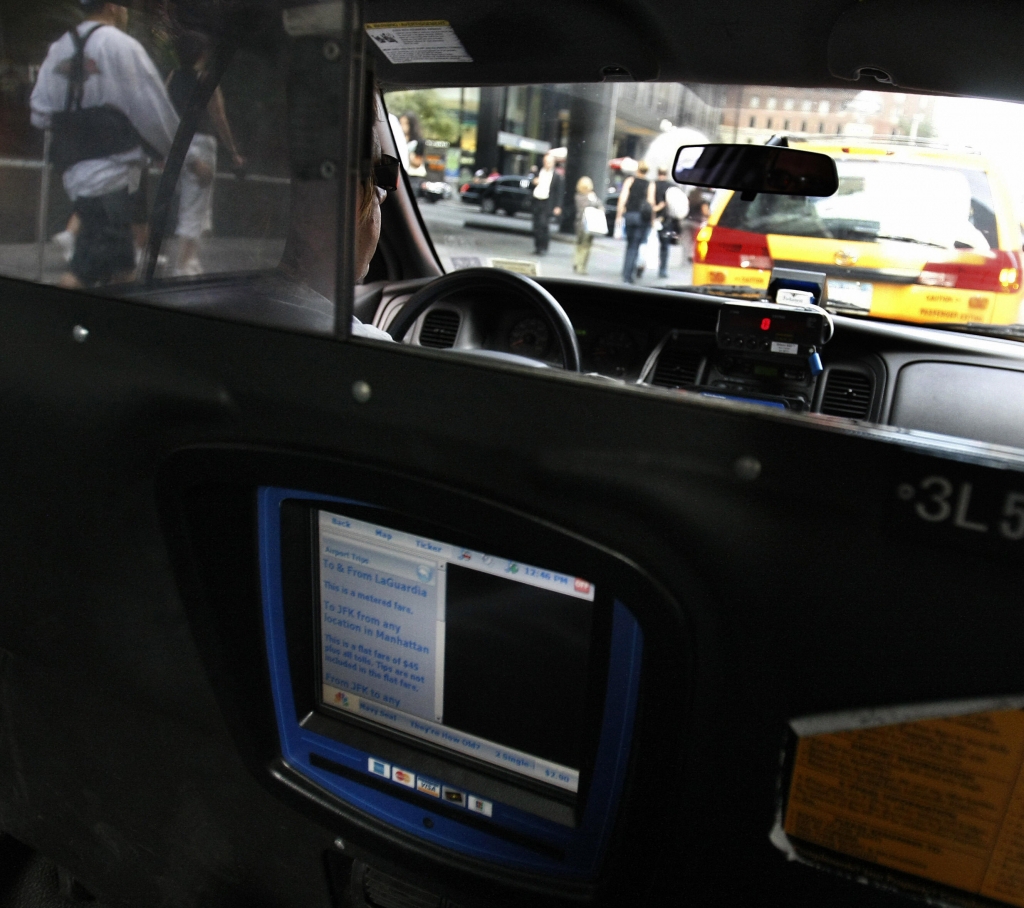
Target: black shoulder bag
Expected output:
[84,133]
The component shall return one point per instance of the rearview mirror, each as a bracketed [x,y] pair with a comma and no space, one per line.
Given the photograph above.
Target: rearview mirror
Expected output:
[750,169]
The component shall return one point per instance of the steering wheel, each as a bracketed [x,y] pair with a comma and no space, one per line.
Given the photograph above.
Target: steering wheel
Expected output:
[491,280]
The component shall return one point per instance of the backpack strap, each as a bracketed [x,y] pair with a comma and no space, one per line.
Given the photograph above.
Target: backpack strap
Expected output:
[76,77]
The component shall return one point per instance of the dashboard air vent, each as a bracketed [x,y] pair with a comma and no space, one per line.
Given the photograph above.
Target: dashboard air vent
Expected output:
[440,328]
[383,891]
[676,367]
[847,394]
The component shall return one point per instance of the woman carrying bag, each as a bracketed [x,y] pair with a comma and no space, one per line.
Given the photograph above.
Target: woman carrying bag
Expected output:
[636,209]
[590,220]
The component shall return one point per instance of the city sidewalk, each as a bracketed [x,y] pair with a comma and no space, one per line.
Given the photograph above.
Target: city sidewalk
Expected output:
[218,254]
[465,238]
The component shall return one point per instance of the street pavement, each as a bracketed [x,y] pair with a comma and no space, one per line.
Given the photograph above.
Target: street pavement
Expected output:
[218,254]
[462,235]
[465,238]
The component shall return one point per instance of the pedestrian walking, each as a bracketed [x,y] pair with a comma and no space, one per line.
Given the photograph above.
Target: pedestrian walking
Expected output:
[100,93]
[415,146]
[636,210]
[195,186]
[585,198]
[698,209]
[547,186]
[668,226]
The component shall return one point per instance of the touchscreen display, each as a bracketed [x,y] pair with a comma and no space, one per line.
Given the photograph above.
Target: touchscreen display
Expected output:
[483,656]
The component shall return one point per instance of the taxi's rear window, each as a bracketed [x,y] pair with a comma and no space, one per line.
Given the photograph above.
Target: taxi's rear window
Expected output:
[948,207]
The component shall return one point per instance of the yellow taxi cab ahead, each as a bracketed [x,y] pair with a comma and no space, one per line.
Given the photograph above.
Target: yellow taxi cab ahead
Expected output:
[913,233]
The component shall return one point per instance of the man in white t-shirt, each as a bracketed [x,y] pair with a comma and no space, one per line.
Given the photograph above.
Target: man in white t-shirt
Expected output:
[100,93]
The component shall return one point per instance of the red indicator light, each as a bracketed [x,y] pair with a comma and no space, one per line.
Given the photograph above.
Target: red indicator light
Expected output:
[766,323]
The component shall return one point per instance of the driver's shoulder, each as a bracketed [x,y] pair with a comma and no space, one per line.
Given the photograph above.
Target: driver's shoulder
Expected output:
[369,331]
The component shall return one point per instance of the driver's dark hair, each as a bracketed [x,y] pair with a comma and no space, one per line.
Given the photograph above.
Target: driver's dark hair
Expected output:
[90,7]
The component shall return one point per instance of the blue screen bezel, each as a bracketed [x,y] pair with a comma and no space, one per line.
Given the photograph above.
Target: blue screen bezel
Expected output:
[582,848]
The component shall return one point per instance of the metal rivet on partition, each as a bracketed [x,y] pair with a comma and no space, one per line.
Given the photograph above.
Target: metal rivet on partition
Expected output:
[328,170]
[362,392]
[339,844]
[747,468]
[331,51]
[80,334]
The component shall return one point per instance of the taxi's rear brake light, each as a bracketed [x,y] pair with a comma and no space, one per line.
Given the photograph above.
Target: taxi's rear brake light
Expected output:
[464,187]
[999,271]
[730,248]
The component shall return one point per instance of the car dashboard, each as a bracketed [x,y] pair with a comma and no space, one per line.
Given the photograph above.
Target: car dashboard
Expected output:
[906,376]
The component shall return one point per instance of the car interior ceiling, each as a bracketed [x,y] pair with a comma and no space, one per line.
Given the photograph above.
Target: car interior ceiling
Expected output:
[736,599]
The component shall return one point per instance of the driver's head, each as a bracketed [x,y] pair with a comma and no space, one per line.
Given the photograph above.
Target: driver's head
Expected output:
[371,196]
[310,254]
[102,11]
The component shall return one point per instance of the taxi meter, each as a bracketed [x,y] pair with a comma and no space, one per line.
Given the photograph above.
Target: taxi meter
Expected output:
[789,324]
[773,330]
[769,350]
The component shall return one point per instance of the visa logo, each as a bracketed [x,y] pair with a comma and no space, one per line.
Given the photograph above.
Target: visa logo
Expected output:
[428,787]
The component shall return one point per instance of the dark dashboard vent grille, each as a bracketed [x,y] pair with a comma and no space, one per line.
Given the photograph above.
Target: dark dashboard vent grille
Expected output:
[383,891]
[440,328]
[847,394]
[676,367]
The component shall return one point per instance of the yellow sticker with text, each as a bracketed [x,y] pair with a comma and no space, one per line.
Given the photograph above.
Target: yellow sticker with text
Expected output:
[942,799]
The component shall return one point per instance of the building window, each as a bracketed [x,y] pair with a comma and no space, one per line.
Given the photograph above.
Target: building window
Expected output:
[768,123]
[823,107]
[771,104]
[753,122]
[806,105]
[754,102]
[821,127]
[785,124]
[803,126]
[788,104]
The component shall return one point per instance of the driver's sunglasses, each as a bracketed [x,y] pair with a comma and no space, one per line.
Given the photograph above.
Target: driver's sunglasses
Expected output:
[385,172]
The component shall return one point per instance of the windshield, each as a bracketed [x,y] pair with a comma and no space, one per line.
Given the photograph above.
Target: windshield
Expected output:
[567,181]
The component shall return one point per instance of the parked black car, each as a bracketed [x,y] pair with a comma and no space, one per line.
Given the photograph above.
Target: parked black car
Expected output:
[470,191]
[433,190]
[509,194]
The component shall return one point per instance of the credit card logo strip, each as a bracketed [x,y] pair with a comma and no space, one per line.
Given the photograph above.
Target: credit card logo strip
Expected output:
[429,787]
[482,821]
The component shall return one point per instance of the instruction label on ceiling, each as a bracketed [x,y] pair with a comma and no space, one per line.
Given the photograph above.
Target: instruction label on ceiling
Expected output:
[432,41]
[942,799]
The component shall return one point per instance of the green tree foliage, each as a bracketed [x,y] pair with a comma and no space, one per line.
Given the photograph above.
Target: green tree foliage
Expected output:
[436,120]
